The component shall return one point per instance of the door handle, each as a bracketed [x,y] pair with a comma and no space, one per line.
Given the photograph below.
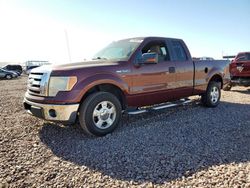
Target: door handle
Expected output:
[171,69]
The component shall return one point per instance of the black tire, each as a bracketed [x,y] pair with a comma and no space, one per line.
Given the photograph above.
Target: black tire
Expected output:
[228,87]
[90,105]
[212,96]
[8,76]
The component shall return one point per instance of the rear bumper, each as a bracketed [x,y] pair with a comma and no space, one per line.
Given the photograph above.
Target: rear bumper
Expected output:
[62,113]
[243,81]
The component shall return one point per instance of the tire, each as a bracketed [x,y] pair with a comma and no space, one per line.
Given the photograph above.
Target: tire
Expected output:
[8,76]
[212,96]
[100,114]
[228,87]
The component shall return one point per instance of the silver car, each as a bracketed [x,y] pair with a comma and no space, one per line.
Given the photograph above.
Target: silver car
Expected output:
[7,74]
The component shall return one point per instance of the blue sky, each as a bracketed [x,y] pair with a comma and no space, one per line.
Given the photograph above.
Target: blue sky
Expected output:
[36,29]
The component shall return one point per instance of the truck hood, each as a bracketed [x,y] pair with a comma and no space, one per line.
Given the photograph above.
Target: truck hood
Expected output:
[74,66]
[80,65]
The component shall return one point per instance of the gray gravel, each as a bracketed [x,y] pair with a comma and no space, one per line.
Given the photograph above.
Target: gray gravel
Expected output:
[189,146]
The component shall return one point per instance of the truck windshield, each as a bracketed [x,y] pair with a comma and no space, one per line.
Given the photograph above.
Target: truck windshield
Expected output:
[119,50]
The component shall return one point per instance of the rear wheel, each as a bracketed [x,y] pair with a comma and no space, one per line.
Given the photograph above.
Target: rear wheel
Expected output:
[100,114]
[212,96]
[8,76]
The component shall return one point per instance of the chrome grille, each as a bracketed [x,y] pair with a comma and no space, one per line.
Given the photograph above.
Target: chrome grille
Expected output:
[38,81]
[34,83]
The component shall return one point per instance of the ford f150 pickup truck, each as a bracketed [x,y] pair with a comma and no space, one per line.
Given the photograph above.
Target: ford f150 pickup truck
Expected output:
[239,70]
[127,74]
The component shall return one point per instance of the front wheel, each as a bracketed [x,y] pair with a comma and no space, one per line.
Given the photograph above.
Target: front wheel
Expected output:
[212,96]
[100,114]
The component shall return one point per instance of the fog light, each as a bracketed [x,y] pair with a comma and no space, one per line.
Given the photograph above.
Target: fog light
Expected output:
[52,113]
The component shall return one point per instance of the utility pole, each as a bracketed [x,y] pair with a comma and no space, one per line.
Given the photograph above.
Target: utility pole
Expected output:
[67,43]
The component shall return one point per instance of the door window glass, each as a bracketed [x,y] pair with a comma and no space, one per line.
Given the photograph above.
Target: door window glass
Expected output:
[158,47]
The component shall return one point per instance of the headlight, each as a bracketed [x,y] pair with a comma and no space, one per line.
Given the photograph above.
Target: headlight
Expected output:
[57,84]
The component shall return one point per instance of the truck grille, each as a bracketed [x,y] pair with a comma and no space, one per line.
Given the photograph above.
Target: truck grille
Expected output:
[38,82]
[34,83]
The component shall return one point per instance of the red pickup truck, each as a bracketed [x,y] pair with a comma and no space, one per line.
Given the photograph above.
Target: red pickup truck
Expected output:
[124,76]
[240,70]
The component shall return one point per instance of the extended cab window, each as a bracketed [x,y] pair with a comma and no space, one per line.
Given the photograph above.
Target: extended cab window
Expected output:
[158,47]
[179,51]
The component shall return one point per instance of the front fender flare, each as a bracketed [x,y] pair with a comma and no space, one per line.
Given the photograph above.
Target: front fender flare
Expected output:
[85,85]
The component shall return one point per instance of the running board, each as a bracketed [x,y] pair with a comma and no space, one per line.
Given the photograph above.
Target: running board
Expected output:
[159,107]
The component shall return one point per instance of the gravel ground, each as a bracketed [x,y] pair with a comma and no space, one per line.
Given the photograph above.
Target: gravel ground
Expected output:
[189,146]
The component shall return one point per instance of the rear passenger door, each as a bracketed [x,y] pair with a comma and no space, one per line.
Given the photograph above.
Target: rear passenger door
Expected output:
[184,68]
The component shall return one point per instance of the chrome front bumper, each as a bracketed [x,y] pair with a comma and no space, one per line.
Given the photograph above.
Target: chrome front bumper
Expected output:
[63,113]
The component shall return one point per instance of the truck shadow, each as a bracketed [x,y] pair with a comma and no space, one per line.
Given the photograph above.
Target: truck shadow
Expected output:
[159,147]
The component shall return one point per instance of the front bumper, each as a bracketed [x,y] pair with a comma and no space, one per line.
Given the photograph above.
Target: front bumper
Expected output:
[62,113]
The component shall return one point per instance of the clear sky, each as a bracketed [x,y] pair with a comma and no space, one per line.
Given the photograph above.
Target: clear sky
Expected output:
[36,29]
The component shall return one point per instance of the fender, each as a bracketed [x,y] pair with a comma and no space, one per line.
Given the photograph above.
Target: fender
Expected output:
[201,86]
[102,78]
[214,72]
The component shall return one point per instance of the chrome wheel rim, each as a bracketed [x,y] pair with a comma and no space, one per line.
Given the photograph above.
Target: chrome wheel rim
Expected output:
[8,77]
[214,94]
[104,114]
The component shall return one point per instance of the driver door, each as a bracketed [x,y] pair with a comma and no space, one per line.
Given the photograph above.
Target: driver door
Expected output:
[153,82]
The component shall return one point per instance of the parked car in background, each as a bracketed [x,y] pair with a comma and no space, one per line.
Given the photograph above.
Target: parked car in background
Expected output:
[7,74]
[31,64]
[28,69]
[17,68]
[239,70]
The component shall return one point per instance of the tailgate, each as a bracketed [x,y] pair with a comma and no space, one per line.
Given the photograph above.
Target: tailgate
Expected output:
[240,69]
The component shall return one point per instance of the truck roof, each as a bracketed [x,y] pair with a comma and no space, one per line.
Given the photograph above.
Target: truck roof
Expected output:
[150,38]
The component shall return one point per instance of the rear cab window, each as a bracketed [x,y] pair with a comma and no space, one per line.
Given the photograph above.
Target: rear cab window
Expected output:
[243,57]
[240,57]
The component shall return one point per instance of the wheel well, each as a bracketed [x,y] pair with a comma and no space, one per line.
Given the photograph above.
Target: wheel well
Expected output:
[217,78]
[108,88]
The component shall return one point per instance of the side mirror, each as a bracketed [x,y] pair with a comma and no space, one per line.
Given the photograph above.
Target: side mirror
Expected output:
[149,58]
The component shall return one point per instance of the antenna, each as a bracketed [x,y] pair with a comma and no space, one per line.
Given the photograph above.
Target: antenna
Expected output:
[67,43]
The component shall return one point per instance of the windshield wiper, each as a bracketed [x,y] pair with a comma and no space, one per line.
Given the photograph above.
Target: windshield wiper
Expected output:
[97,58]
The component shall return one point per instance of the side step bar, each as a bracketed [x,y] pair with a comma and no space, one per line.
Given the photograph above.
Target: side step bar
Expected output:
[159,107]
